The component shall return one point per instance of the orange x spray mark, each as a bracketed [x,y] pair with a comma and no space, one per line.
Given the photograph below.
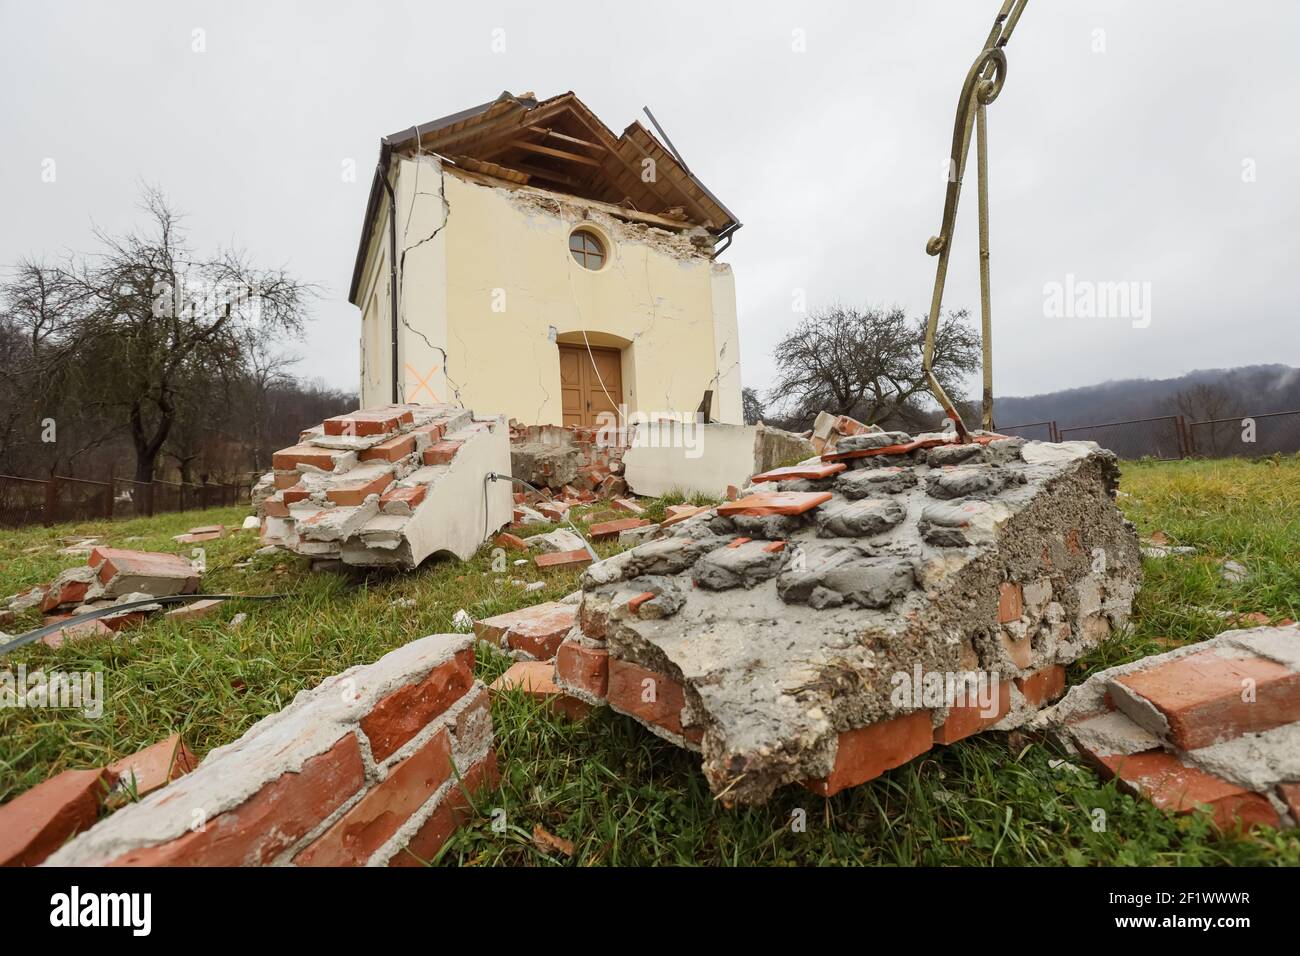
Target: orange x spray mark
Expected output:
[423,386]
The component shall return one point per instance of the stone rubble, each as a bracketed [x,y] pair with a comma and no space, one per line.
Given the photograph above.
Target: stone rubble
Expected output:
[769,633]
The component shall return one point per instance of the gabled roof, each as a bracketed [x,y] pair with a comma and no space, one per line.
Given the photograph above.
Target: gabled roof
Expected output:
[560,145]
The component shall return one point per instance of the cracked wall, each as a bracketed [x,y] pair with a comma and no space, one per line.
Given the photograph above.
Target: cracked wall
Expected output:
[487,277]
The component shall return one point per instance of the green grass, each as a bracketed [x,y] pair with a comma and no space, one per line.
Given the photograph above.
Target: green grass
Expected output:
[623,796]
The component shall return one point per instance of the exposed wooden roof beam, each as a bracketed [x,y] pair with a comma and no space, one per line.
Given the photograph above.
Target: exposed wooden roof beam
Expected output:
[530,147]
[565,137]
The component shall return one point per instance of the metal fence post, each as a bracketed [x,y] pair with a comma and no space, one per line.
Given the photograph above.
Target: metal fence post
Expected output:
[51,510]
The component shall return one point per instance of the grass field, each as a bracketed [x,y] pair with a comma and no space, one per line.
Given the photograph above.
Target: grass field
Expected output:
[622,795]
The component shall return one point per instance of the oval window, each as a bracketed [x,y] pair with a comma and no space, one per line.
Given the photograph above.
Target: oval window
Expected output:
[586,247]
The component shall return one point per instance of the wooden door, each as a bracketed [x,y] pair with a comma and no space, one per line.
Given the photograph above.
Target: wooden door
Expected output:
[591,383]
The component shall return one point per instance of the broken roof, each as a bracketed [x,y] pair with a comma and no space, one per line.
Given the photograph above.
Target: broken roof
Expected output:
[560,145]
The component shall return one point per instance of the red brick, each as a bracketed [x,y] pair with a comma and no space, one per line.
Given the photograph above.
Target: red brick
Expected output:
[774,547]
[634,605]
[676,513]
[555,510]
[512,541]
[537,630]
[411,496]
[628,505]
[628,687]
[268,823]
[154,766]
[69,592]
[451,813]
[77,632]
[1043,685]
[813,472]
[1011,600]
[294,495]
[393,449]
[593,619]
[113,562]
[435,431]
[536,680]
[612,529]
[195,609]
[409,709]
[272,508]
[969,719]
[867,752]
[1201,696]
[352,492]
[286,479]
[775,503]
[1072,541]
[287,459]
[739,541]
[563,559]
[441,452]
[38,821]
[586,668]
[1290,794]
[1170,785]
[367,422]
[369,824]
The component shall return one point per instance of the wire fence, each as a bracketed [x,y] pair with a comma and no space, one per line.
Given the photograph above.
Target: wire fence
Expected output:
[27,501]
[1172,436]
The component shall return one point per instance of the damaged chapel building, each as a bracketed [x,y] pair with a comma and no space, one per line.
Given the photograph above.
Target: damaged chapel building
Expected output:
[546,270]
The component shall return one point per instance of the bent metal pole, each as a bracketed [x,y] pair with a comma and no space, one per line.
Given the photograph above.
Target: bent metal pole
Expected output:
[983,84]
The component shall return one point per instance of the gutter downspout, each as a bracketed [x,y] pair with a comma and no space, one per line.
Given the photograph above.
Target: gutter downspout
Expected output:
[392,269]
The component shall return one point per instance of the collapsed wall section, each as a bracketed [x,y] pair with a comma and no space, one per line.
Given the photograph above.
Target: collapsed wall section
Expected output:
[373,767]
[389,486]
[799,634]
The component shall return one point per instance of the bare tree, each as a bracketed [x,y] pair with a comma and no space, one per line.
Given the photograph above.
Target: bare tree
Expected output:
[141,318]
[867,363]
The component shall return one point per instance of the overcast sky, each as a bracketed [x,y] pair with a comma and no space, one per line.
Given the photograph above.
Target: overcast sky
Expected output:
[1150,142]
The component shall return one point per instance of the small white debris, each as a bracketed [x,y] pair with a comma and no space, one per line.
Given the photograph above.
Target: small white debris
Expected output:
[404,602]
[251,523]
[573,597]
[535,586]
[462,622]
[1234,572]
[237,621]
[521,561]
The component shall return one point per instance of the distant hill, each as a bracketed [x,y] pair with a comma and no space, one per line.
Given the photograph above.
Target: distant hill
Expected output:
[1253,389]
[1203,395]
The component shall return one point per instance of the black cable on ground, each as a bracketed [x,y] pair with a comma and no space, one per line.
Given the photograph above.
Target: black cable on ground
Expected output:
[36,635]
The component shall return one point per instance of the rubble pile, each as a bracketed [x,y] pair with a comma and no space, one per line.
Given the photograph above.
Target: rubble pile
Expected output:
[111,576]
[388,486]
[570,460]
[1214,724]
[797,634]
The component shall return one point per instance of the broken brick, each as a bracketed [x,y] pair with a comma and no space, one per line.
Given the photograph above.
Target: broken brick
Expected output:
[287,459]
[775,503]
[154,766]
[1010,602]
[649,696]
[451,813]
[441,452]
[512,541]
[563,559]
[867,752]
[368,825]
[349,493]
[969,718]
[38,821]
[123,571]
[536,630]
[409,709]
[586,668]
[1171,785]
[1207,697]
[628,505]
[367,422]
[612,529]
[400,500]
[813,472]
[390,450]
[1043,685]
[536,680]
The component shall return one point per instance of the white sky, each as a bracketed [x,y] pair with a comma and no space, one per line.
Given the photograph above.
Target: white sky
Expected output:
[1117,166]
